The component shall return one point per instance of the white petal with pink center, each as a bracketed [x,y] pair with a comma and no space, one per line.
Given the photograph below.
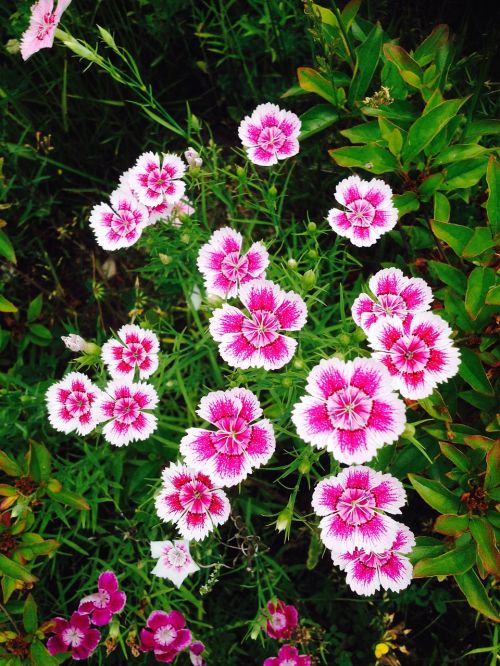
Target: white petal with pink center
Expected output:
[71,404]
[174,560]
[135,350]
[157,180]
[352,504]
[270,134]
[126,408]
[351,409]
[120,224]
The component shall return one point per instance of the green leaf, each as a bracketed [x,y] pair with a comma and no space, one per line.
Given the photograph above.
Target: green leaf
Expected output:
[435,494]
[449,275]
[456,561]
[6,249]
[484,536]
[475,594]
[451,525]
[70,498]
[40,465]
[479,128]
[425,128]
[464,174]
[312,81]
[316,119]
[367,57]
[455,455]
[493,203]
[430,184]
[41,656]
[15,570]
[30,615]
[41,331]
[6,306]
[371,158]
[493,296]
[455,235]
[492,478]
[478,284]
[426,547]
[480,242]
[441,207]
[471,370]
[400,110]
[425,53]
[408,68]
[435,406]
[459,152]
[406,203]
[35,307]
[364,133]
[9,466]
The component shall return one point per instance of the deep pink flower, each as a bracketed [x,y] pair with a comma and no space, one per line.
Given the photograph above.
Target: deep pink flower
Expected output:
[125,406]
[229,453]
[71,404]
[270,134]
[351,409]
[121,224]
[396,295]
[191,500]
[157,180]
[174,560]
[43,23]
[351,504]
[370,210]
[225,268]
[196,649]
[136,349]
[165,635]
[288,656]
[367,572]
[282,620]
[419,354]
[73,636]
[101,605]
[255,341]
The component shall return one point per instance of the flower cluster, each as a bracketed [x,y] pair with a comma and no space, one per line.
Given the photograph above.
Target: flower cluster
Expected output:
[282,621]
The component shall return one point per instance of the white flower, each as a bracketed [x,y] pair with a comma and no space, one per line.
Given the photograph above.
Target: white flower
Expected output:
[174,560]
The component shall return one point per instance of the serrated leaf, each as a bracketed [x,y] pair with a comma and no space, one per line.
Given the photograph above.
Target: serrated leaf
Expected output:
[480,280]
[456,561]
[471,370]
[316,119]
[476,595]
[371,158]
[435,494]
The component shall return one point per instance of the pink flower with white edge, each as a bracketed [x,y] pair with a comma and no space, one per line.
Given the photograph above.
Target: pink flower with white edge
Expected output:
[282,620]
[71,404]
[270,134]
[351,409]
[419,353]
[73,636]
[120,224]
[255,341]
[174,560]
[43,23]
[351,506]
[370,210]
[196,649]
[288,656]
[165,635]
[157,180]
[136,349]
[396,296]
[237,446]
[126,408]
[103,604]
[225,268]
[155,213]
[191,500]
[367,572]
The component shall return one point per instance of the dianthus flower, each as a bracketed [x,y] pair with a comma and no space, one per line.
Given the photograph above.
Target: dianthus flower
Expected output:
[288,656]
[156,180]
[191,500]
[351,410]
[419,354]
[225,268]
[282,620]
[73,636]
[43,23]
[174,560]
[71,404]
[125,406]
[367,572]
[351,504]
[103,604]
[196,649]
[177,211]
[135,349]
[255,341]
[396,295]
[121,224]
[165,635]
[270,134]
[237,446]
[370,210]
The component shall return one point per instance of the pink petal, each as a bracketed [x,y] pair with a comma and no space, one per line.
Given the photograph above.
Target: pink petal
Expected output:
[325,496]
[289,148]
[292,313]
[108,581]
[389,493]
[101,617]
[258,260]
[312,421]
[262,443]
[261,157]
[239,353]
[218,405]
[348,190]
[224,321]
[250,406]
[278,353]
[387,281]
[261,295]
[361,310]
[338,221]
[326,378]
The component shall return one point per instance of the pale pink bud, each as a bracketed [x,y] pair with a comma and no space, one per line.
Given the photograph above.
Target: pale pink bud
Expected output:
[193,158]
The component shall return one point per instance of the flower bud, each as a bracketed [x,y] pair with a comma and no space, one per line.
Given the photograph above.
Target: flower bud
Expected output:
[284,519]
[308,279]
[193,159]
[214,300]
[114,629]
[359,335]
[273,191]
[304,465]
[298,363]
[409,431]
[54,486]
[291,263]
[312,226]
[185,238]
[287,382]
[312,253]
[165,259]
[240,171]
[344,339]
[76,343]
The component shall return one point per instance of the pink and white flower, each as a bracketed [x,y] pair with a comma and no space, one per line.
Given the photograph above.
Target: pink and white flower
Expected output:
[174,560]
[165,635]
[71,404]
[74,342]
[351,506]
[237,446]
[135,349]
[177,211]
[270,134]
[419,353]
[225,268]
[282,620]
[126,408]
[73,636]
[103,604]
[43,23]
[288,656]
[370,210]
[157,180]
[396,296]
[351,410]
[196,649]
[193,159]
[255,341]
[367,572]
[120,224]
[191,500]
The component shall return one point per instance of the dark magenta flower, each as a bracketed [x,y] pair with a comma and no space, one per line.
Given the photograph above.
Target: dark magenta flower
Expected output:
[282,620]
[288,656]
[108,600]
[165,635]
[73,636]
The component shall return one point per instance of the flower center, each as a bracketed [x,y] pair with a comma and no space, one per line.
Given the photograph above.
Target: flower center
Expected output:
[77,403]
[390,304]
[261,329]
[410,354]
[125,222]
[165,635]
[101,599]
[278,621]
[72,636]
[271,139]
[349,408]
[195,497]
[177,557]
[232,437]
[355,506]
[234,267]
[361,213]
[374,560]
[134,353]
[126,410]
[46,26]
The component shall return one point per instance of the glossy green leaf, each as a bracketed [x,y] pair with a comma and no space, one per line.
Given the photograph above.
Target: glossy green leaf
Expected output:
[479,128]
[435,494]
[464,174]
[30,615]
[70,498]
[493,295]
[476,595]
[450,275]
[451,525]
[459,152]
[35,308]
[6,305]
[426,547]
[40,465]
[41,331]
[455,235]
[425,53]
[367,57]
[371,158]
[406,203]
[481,241]
[408,68]
[312,81]
[316,119]
[441,207]
[492,477]
[430,184]
[42,657]
[456,561]
[6,249]
[478,284]
[8,465]
[493,203]
[364,133]
[400,111]
[435,406]
[487,549]
[16,570]
[471,370]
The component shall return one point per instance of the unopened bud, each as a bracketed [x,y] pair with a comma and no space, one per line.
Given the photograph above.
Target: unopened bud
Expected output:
[312,253]
[291,263]
[54,486]
[344,339]
[165,259]
[298,363]
[214,300]
[273,191]
[409,431]
[193,159]
[240,171]
[114,629]
[309,279]
[185,238]
[359,335]
[304,466]
[287,382]
[76,343]
[284,519]
[312,226]
[13,46]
